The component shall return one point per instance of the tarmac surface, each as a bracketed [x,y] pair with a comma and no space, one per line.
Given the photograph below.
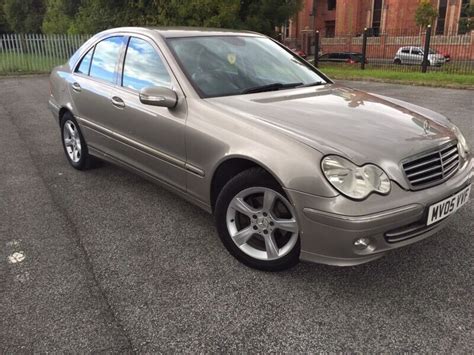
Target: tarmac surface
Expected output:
[106,261]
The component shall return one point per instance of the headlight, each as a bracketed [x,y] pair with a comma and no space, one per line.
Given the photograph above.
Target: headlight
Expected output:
[354,181]
[462,143]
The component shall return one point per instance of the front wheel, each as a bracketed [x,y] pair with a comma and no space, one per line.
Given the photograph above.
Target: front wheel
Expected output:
[257,223]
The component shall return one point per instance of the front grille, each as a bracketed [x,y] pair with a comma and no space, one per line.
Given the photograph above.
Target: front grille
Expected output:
[434,167]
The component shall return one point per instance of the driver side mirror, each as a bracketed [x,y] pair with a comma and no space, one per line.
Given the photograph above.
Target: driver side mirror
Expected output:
[158,96]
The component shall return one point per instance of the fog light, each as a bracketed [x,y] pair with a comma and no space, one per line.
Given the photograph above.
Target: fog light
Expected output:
[362,244]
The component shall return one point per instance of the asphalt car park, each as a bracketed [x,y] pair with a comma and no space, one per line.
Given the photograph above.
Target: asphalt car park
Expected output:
[106,261]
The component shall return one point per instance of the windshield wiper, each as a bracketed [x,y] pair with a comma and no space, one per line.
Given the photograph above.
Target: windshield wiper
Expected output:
[270,87]
[316,83]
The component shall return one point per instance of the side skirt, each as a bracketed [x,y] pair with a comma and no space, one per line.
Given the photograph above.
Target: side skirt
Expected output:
[99,154]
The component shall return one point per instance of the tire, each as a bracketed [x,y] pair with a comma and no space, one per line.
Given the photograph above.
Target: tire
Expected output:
[268,235]
[397,61]
[74,145]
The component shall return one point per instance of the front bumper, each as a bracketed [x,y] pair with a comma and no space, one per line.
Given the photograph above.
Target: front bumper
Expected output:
[329,226]
[437,61]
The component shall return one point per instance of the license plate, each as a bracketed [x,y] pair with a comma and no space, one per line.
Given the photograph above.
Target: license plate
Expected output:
[448,206]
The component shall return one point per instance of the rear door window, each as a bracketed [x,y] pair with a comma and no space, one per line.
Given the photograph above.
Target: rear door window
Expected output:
[143,66]
[105,59]
[406,51]
[84,66]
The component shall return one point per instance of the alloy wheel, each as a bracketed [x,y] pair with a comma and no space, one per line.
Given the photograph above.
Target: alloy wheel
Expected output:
[72,141]
[262,223]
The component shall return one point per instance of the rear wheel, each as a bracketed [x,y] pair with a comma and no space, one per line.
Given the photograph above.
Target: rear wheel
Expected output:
[397,61]
[74,144]
[257,222]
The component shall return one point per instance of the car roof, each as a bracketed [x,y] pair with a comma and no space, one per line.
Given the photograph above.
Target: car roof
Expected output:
[175,32]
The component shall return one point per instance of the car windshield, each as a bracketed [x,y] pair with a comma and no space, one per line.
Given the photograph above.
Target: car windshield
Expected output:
[235,65]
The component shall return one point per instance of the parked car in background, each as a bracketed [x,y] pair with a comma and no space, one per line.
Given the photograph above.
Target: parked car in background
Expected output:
[342,57]
[299,52]
[291,165]
[414,55]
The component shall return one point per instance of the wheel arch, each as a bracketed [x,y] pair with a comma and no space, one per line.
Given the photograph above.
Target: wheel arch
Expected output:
[62,112]
[229,167]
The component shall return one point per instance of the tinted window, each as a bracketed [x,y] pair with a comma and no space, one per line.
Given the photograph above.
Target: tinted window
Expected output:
[143,66]
[345,56]
[415,51]
[334,55]
[83,68]
[406,51]
[105,59]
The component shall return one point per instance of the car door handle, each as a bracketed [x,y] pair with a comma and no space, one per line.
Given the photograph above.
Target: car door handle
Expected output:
[76,87]
[118,102]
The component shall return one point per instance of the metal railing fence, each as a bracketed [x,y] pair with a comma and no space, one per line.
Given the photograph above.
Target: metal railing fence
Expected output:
[39,53]
[36,53]
[381,50]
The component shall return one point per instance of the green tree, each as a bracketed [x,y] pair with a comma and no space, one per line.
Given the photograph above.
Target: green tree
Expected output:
[257,15]
[59,15]
[466,20]
[425,14]
[24,16]
[3,20]
[203,13]
[97,15]
[264,15]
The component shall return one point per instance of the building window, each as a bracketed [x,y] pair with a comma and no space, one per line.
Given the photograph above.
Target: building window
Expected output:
[287,29]
[443,6]
[464,17]
[377,17]
[330,28]
[331,5]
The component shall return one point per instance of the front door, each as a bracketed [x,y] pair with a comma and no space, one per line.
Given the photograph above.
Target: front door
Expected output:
[152,138]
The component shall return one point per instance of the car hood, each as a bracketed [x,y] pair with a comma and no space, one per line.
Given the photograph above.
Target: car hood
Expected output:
[366,128]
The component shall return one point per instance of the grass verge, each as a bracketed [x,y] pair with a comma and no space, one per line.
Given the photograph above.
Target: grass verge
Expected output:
[18,64]
[432,78]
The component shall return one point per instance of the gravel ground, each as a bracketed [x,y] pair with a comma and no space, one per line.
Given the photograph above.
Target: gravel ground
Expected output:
[105,261]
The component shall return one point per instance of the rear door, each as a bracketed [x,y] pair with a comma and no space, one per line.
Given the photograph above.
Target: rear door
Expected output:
[324,58]
[345,57]
[405,55]
[334,57]
[416,56]
[92,89]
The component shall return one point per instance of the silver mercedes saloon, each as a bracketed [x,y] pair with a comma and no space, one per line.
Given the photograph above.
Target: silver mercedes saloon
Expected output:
[292,166]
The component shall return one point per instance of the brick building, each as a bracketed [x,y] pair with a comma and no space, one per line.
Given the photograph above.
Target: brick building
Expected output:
[343,17]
